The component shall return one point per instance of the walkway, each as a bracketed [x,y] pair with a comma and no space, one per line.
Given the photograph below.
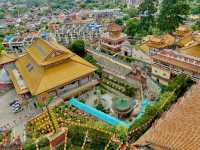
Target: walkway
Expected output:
[100,115]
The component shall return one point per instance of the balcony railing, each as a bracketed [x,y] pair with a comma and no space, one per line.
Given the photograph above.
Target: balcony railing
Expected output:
[179,71]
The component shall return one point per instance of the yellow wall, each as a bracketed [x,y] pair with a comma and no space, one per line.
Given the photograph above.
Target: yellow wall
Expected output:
[161,72]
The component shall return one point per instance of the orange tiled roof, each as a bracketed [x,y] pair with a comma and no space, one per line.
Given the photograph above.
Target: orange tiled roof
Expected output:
[159,42]
[177,129]
[114,28]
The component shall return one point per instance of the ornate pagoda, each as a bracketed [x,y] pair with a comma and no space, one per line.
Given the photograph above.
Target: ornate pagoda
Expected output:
[113,39]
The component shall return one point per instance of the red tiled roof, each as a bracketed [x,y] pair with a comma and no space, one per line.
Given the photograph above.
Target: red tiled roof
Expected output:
[114,28]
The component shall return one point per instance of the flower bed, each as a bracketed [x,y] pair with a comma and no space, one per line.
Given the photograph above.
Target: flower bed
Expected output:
[68,113]
[77,123]
[39,126]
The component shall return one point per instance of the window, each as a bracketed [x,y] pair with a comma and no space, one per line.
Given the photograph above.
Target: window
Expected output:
[29,67]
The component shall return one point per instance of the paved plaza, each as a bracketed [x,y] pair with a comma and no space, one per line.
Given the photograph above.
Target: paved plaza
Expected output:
[10,120]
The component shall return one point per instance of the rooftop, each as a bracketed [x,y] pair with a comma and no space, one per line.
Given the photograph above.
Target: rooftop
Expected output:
[7,58]
[48,65]
[193,49]
[176,62]
[121,104]
[114,28]
[157,42]
[179,127]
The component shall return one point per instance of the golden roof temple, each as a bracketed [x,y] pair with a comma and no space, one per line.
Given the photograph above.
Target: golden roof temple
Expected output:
[46,67]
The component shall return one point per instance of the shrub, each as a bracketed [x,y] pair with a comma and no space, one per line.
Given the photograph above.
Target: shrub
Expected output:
[121,132]
[76,134]
[43,142]
[29,145]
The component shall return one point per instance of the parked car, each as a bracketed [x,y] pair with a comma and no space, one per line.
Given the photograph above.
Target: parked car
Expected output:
[16,105]
[16,110]
[13,102]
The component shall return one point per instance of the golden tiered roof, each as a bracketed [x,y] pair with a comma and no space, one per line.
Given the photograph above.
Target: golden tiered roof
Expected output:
[43,53]
[182,30]
[157,42]
[193,49]
[7,58]
[48,65]
[178,129]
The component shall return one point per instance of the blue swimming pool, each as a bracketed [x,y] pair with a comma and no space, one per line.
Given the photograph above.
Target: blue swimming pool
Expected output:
[98,114]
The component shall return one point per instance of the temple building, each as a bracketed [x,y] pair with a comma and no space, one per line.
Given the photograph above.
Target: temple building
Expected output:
[6,62]
[50,70]
[156,43]
[186,59]
[167,63]
[183,30]
[112,40]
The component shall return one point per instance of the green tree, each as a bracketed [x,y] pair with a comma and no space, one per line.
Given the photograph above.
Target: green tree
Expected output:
[121,131]
[29,145]
[83,5]
[100,107]
[147,11]
[132,27]
[78,47]
[195,9]
[196,26]
[90,59]
[125,18]
[132,12]
[2,49]
[130,91]
[119,22]
[172,14]
[2,13]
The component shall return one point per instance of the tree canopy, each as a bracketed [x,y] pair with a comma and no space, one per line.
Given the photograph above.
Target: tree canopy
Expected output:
[172,14]
[131,27]
[1,49]
[132,12]
[78,47]
[119,22]
[90,59]
[196,26]
[147,11]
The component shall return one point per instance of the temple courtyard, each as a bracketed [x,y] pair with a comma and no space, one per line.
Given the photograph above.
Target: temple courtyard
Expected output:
[9,119]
